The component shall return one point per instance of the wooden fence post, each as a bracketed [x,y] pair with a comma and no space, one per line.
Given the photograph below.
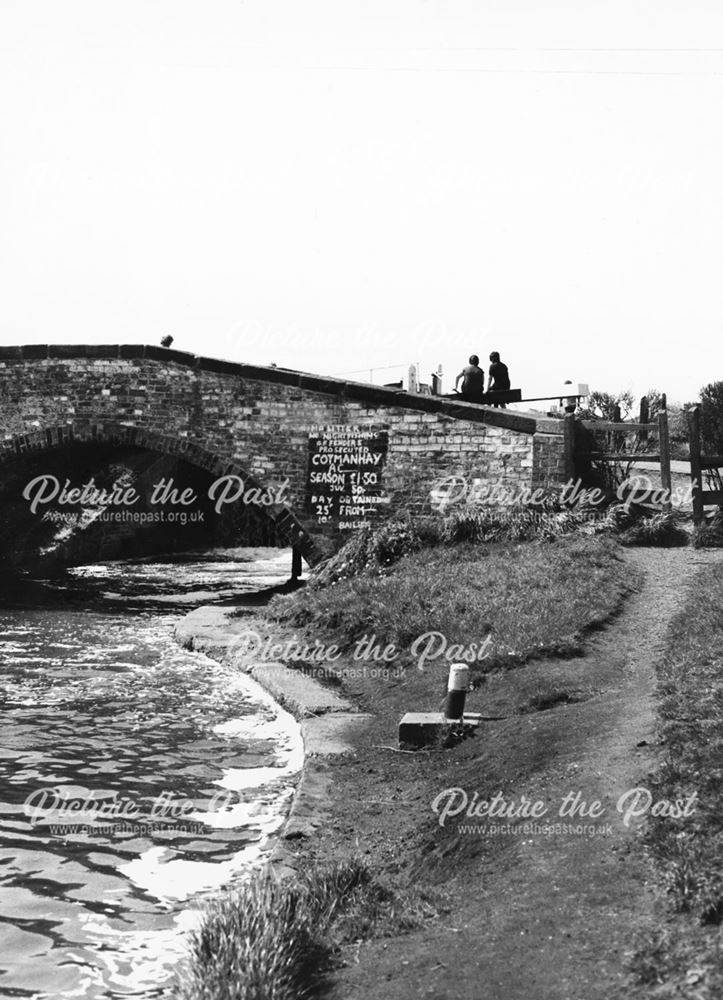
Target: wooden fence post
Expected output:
[696,478]
[568,427]
[664,440]
[644,418]
[617,438]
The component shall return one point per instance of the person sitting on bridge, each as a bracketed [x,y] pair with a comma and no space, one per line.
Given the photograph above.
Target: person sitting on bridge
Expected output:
[473,385]
[499,376]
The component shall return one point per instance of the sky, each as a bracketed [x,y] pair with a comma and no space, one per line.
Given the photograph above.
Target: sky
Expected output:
[342,187]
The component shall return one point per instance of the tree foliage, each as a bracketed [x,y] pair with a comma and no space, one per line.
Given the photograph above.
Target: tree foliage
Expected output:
[655,402]
[602,405]
[711,418]
[677,422]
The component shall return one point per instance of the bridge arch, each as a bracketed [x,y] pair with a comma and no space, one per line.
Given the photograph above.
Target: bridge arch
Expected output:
[288,528]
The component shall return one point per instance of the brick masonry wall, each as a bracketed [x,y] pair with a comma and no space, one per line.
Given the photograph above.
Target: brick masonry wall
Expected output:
[258,420]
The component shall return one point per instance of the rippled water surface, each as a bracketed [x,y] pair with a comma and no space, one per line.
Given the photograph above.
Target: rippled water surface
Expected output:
[135,777]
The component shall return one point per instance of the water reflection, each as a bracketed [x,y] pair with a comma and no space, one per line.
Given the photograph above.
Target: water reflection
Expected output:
[135,777]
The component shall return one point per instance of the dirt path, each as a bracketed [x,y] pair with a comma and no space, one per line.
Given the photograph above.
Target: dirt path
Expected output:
[551,916]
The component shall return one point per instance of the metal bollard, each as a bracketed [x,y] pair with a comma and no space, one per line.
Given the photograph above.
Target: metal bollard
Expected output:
[457,686]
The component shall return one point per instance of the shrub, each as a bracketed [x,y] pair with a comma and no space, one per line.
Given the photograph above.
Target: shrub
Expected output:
[662,529]
[710,534]
[370,548]
[711,417]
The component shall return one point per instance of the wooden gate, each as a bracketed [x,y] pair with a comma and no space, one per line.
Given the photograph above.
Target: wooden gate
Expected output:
[618,449]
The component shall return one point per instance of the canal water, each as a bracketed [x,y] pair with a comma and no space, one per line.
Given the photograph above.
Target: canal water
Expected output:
[135,777]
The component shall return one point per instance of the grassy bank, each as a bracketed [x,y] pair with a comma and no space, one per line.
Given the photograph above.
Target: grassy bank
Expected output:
[531,600]
[689,850]
[536,600]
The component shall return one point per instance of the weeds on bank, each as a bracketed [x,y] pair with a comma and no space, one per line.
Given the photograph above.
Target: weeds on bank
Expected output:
[274,940]
[531,600]
[709,535]
[663,530]
[690,681]
[689,851]
[375,549]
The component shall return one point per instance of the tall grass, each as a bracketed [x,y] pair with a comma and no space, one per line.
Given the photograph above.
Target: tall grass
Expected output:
[273,940]
[531,599]
[374,549]
[258,943]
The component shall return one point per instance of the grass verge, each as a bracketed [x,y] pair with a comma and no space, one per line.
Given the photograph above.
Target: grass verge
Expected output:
[498,606]
[689,850]
[274,940]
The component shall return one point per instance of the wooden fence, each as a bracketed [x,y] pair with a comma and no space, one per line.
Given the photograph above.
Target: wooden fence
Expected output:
[699,464]
[617,430]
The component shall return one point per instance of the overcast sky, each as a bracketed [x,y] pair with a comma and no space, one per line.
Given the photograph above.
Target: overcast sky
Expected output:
[341,185]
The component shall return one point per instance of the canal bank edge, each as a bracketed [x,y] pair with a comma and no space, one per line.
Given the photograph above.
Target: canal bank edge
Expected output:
[326,720]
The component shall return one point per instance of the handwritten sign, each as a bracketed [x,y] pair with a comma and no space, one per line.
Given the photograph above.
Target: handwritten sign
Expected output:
[344,481]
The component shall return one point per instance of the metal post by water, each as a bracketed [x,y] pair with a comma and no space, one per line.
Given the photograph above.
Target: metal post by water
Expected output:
[296,568]
[456,692]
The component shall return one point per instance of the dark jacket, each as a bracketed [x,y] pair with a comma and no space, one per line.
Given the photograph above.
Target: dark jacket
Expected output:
[499,377]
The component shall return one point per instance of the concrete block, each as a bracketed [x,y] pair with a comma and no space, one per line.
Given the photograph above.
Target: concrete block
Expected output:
[421,729]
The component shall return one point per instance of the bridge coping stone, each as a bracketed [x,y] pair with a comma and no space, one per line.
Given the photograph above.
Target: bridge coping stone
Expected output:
[524,422]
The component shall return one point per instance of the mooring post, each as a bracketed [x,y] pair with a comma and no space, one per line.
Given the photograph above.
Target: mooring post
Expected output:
[295,563]
[456,692]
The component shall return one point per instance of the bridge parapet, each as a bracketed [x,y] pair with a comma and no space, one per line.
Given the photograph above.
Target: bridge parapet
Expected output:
[267,421]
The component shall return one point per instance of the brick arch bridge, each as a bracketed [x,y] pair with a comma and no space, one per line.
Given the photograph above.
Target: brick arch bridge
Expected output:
[271,427]
[288,531]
